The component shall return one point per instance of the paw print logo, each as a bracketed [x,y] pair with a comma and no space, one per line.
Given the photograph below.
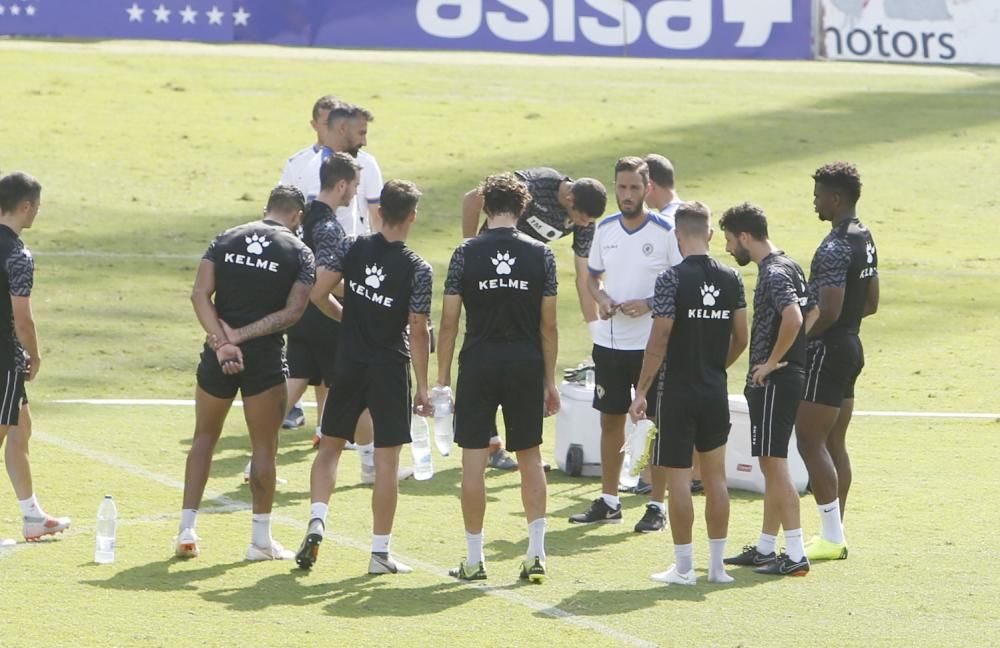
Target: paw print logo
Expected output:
[374,276]
[709,294]
[256,243]
[503,262]
[870,249]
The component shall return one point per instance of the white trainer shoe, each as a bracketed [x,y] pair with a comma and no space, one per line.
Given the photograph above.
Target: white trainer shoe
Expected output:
[368,474]
[383,563]
[674,577]
[36,528]
[274,552]
[187,544]
[7,542]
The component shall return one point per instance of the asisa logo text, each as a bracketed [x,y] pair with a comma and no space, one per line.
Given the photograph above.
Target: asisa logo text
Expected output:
[670,24]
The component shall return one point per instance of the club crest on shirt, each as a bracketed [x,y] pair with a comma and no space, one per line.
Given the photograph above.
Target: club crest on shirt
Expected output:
[647,249]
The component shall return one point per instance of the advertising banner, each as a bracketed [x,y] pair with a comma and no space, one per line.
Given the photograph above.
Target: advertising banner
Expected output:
[912,31]
[774,29]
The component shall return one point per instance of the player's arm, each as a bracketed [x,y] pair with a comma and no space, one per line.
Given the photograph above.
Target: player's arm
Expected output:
[588,305]
[420,351]
[451,312]
[472,207]
[375,216]
[24,328]
[831,303]
[322,293]
[277,321]
[204,307]
[738,338]
[550,351]
[788,331]
[871,297]
[652,359]
[606,306]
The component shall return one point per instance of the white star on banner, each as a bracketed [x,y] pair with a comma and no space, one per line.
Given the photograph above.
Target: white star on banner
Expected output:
[15,10]
[188,15]
[2,10]
[214,16]
[162,14]
[134,13]
[241,17]
[30,10]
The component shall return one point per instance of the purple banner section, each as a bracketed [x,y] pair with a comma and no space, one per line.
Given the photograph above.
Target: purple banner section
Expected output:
[775,29]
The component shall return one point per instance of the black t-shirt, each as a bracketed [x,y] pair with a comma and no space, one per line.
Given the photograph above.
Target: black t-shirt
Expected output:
[256,265]
[383,283]
[17,277]
[846,259]
[546,219]
[322,232]
[502,275]
[700,295]
[780,283]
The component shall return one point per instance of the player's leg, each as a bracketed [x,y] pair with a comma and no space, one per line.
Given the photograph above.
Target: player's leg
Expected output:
[264,412]
[672,451]
[37,523]
[836,444]
[474,461]
[655,516]
[534,493]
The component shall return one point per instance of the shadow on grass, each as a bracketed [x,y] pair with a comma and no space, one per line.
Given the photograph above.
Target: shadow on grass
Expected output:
[162,576]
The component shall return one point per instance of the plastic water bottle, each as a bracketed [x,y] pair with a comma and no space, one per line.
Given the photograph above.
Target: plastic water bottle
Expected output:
[107,525]
[444,432]
[420,446]
[589,380]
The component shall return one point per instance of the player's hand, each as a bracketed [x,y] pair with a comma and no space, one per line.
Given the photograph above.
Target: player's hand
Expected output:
[34,364]
[552,402]
[760,372]
[607,307]
[635,307]
[638,409]
[230,358]
[422,403]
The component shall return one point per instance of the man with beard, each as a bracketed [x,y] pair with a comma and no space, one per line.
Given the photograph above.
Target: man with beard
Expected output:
[629,250]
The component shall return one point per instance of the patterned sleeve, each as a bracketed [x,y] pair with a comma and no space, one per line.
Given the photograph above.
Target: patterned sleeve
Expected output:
[453,282]
[780,289]
[420,289]
[551,286]
[334,262]
[326,238]
[833,259]
[307,266]
[583,238]
[21,273]
[741,294]
[210,252]
[665,294]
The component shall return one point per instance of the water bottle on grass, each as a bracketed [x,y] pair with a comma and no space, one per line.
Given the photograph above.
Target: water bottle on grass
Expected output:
[107,525]
[420,446]
[444,432]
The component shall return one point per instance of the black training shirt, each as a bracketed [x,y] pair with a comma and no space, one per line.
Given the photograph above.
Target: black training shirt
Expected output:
[780,283]
[17,276]
[846,259]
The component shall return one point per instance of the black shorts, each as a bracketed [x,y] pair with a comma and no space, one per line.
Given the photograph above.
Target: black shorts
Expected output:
[832,368]
[264,367]
[689,418]
[313,356]
[384,389]
[14,396]
[773,407]
[510,376]
[616,373]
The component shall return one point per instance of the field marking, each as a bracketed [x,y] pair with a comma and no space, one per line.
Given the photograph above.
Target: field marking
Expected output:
[230,504]
[237,403]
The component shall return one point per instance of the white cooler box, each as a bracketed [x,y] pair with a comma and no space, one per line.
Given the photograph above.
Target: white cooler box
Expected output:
[578,423]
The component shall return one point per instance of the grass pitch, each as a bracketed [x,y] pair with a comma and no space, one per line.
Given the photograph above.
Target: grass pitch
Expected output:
[148,150]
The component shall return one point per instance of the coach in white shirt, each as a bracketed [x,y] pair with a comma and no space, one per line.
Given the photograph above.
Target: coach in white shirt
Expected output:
[629,250]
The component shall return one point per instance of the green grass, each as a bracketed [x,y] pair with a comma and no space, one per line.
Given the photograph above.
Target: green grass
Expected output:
[150,149]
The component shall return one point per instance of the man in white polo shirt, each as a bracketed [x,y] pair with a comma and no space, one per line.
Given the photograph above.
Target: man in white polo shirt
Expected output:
[629,250]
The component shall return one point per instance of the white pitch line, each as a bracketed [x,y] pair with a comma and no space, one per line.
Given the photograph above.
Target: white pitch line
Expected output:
[232,504]
[190,403]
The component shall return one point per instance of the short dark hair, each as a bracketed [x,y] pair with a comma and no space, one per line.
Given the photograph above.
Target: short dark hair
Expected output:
[286,199]
[339,111]
[337,167]
[633,163]
[745,217]
[326,102]
[661,170]
[589,197]
[399,198]
[15,188]
[842,177]
[692,218]
[364,112]
[504,193]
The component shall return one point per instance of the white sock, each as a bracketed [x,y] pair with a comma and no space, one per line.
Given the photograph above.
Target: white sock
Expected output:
[474,542]
[684,557]
[536,539]
[659,505]
[380,543]
[611,500]
[829,516]
[30,507]
[367,454]
[261,530]
[189,518]
[716,568]
[767,543]
[794,546]
[496,441]
[318,511]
